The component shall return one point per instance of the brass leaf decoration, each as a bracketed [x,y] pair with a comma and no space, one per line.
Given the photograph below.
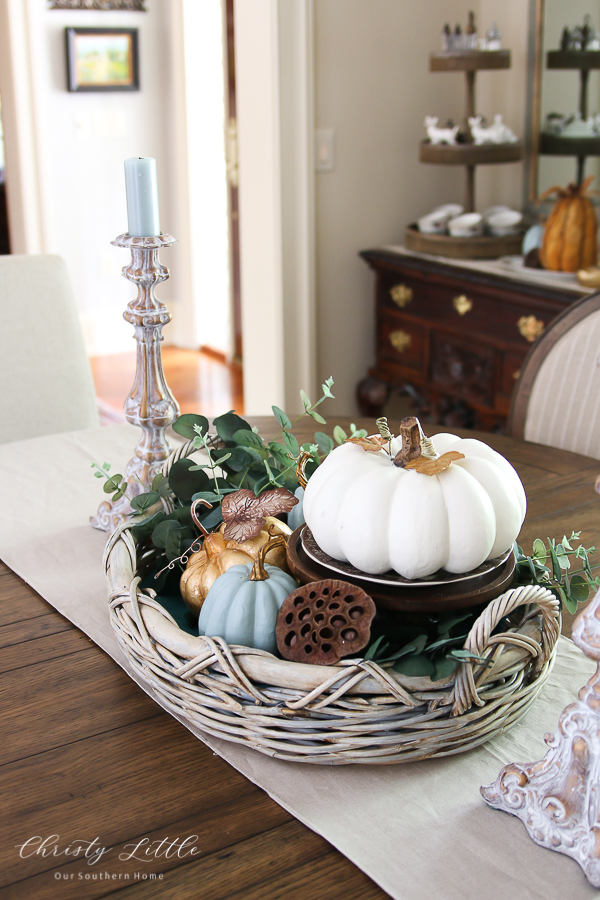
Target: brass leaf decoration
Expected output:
[244,513]
[434,466]
[371,444]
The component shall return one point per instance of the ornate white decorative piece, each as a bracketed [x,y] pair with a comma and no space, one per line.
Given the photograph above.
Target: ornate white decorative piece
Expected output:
[496,133]
[150,403]
[558,797]
[439,135]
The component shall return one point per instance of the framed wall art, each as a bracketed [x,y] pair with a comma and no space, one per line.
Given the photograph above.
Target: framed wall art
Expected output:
[102,59]
[125,5]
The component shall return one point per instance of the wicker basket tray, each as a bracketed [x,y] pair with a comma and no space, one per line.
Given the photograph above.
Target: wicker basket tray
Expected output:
[353,712]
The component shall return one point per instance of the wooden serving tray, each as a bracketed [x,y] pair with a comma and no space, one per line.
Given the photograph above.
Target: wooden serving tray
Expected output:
[438,597]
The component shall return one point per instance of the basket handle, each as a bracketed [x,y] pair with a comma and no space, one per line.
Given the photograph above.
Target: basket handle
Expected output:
[481,642]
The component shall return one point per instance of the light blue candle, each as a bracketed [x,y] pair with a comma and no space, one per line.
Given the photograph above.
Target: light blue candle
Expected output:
[142,196]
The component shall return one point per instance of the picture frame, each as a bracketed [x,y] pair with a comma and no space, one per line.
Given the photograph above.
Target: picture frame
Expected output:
[102,59]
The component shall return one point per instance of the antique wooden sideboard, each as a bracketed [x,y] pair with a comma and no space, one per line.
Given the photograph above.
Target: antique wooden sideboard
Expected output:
[453,335]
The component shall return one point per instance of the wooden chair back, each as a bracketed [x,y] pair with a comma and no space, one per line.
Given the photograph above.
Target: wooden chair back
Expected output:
[557,397]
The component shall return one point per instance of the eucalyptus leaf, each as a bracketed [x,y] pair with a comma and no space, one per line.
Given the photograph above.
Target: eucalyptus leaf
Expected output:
[184,425]
[563,559]
[317,417]
[372,650]
[539,550]
[305,400]
[555,563]
[339,435]
[580,589]
[228,424]
[186,479]
[445,625]
[143,502]
[324,442]
[246,438]
[281,417]
[161,532]
[280,453]
[416,666]
[291,443]
[444,667]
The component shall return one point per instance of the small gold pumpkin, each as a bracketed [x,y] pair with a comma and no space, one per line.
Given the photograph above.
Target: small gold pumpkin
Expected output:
[218,554]
[569,241]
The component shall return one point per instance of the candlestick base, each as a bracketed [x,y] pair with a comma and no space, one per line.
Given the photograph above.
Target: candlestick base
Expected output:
[150,403]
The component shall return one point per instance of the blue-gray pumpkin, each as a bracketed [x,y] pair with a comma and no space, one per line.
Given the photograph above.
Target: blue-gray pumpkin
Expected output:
[243,603]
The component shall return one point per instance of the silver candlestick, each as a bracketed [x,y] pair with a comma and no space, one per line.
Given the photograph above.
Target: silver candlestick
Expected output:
[150,403]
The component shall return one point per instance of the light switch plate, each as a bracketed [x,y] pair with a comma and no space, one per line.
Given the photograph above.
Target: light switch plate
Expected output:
[324,149]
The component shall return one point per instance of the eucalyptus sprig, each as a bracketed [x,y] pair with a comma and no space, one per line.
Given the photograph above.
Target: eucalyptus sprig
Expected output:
[234,457]
[114,484]
[570,587]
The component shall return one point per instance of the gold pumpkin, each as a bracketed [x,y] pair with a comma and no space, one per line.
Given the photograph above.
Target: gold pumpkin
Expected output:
[569,241]
[218,554]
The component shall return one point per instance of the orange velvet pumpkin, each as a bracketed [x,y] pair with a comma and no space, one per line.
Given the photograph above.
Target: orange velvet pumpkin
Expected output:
[569,241]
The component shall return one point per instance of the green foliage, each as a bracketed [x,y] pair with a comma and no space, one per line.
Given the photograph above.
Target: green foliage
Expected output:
[114,484]
[550,566]
[436,647]
[233,458]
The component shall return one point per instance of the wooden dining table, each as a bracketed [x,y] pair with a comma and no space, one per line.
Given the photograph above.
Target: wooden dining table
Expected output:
[85,754]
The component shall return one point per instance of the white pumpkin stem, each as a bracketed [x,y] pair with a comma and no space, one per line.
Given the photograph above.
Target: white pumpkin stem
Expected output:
[414,443]
[259,572]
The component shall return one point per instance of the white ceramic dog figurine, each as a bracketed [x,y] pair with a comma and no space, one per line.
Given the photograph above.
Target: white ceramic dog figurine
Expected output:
[496,133]
[440,135]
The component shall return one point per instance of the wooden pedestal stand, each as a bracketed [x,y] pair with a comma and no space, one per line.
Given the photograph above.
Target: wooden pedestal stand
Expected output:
[557,798]
[581,147]
[468,155]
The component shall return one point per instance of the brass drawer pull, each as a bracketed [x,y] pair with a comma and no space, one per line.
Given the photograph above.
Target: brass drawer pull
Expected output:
[400,340]
[462,304]
[530,328]
[401,294]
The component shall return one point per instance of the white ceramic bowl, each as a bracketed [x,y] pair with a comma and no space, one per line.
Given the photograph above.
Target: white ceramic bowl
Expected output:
[433,223]
[467,225]
[506,222]
[451,210]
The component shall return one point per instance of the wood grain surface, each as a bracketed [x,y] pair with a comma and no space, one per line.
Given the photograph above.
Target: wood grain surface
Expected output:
[82,746]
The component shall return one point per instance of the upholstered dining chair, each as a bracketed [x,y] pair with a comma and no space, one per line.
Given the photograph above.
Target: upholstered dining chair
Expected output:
[557,396]
[45,378]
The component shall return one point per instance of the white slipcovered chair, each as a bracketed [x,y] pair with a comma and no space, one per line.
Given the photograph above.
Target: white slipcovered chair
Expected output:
[557,397]
[45,377]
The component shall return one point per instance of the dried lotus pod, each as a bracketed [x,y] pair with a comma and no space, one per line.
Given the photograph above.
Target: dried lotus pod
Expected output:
[323,621]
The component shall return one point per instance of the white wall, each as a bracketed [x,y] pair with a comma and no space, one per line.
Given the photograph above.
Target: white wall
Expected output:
[374,88]
[82,140]
[70,155]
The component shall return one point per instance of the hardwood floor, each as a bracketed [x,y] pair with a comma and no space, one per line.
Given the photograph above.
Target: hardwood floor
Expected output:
[200,381]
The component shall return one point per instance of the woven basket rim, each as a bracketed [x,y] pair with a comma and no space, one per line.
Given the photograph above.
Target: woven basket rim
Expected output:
[357,711]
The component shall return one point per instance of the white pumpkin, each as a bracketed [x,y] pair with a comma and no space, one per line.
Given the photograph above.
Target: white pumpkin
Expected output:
[363,509]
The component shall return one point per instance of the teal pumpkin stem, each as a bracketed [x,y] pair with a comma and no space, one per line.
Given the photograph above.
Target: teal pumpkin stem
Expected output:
[259,572]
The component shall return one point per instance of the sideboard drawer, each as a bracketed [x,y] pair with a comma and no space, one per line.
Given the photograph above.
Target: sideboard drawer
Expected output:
[462,366]
[401,342]
[453,335]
